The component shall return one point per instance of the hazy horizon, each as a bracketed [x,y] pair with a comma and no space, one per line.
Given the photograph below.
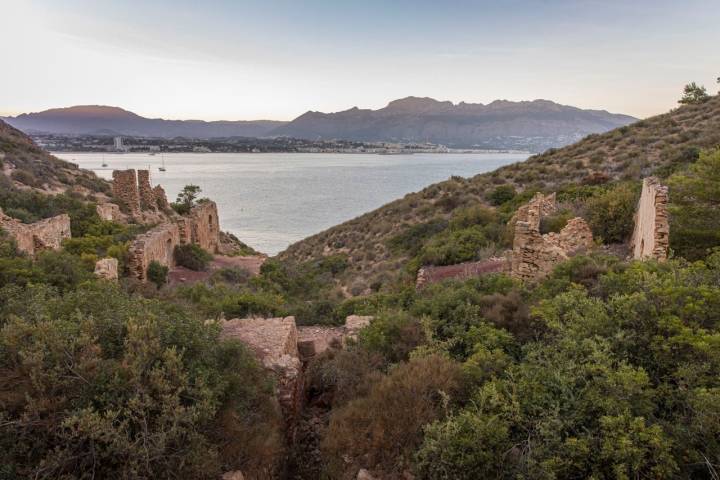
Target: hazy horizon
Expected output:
[254,60]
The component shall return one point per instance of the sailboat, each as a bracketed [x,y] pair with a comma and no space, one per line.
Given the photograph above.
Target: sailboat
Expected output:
[104,164]
[162,168]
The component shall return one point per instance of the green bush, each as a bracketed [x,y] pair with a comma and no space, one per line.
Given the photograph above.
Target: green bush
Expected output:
[611,213]
[192,256]
[501,194]
[157,273]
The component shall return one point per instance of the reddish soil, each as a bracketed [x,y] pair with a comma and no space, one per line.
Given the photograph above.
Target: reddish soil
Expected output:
[181,275]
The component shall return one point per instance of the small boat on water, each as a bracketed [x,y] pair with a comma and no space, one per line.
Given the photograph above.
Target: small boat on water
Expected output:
[104,164]
[162,168]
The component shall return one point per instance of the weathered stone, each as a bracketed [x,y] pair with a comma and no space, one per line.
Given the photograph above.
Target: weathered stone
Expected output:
[314,340]
[274,343]
[161,197]
[107,268]
[108,211]
[535,255]
[201,226]
[460,271]
[157,245]
[652,228]
[125,190]
[145,191]
[33,238]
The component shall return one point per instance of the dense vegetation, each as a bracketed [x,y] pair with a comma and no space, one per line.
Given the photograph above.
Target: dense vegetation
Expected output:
[606,369]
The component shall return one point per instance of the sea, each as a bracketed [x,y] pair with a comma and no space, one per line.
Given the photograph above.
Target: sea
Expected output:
[271,200]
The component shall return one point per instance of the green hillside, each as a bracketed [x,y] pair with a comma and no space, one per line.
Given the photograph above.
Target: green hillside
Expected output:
[658,145]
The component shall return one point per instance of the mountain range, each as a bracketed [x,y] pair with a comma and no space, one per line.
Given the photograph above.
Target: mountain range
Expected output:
[529,125]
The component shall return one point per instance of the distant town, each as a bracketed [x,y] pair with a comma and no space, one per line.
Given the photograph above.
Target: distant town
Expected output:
[126,144]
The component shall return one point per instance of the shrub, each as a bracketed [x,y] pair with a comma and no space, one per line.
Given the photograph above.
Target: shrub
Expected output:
[501,194]
[192,256]
[383,429]
[611,214]
[157,273]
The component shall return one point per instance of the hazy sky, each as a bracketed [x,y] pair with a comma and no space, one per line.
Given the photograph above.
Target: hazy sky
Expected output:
[275,59]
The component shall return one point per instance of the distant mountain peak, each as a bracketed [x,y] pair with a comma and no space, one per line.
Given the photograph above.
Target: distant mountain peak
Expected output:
[417,104]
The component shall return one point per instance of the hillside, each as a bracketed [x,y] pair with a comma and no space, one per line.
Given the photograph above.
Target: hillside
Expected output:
[104,120]
[657,145]
[529,125]
[26,166]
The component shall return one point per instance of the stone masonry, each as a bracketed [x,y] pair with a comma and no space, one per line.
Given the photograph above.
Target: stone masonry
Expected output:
[157,245]
[33,238]
[535,255]
[108,211]
[652,228]
[460,271]
[125,189]
[201,226]
[134,192]
[273,341]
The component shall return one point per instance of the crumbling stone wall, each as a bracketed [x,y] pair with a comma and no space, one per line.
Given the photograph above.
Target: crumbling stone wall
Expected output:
[652,228]
[274,343]
[33,238]
[314,340]
[145,191]
[460,271]
[157,245]
[535,255]
[135,193]
[125,189]
[201,226]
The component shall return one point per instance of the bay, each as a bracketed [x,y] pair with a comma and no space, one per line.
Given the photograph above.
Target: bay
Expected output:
[270,200]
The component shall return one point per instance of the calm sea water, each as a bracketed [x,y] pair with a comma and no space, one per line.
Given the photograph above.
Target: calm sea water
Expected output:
[272,200]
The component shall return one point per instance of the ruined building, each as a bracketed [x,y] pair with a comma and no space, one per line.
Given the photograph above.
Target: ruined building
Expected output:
[535,255]
[200,227]
[460,271]
[283,348]
[135,193]
[652,229]
[32,238]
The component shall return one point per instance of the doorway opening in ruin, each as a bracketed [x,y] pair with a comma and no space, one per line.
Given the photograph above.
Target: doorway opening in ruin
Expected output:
[169,251]
[210,220]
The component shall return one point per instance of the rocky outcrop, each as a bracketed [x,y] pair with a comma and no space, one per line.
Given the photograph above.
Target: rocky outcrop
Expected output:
[535,255]
[33,238]
[274,343]
[460,271]
[156,245]
[107,268]
[652,228]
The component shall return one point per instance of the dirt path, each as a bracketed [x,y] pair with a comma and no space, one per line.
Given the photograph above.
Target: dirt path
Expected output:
[181,275]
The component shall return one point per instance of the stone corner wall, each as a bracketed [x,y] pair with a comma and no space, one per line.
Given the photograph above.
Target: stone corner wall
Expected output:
[107,268]
[33,238]
[201,226]
[535,255]
[157,245]
[651,236]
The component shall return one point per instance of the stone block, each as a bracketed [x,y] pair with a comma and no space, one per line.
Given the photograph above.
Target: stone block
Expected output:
[107,268]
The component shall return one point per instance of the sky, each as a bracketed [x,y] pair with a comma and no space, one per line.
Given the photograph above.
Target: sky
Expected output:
[276,59]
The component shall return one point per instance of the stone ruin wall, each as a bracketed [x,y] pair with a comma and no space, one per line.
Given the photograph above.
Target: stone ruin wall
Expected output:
[109,212]
[107,268]
[460,271]
[273,341]
[125,189]
[201,226]
[134,192]
[535,255]
[652,228]
[283,348]
[33,238]
[157,245]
